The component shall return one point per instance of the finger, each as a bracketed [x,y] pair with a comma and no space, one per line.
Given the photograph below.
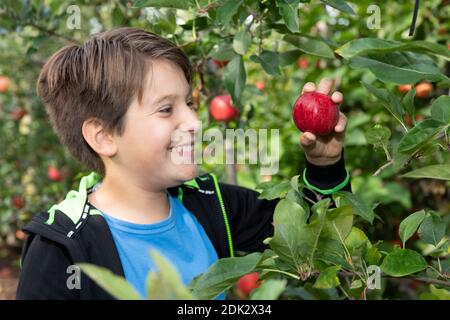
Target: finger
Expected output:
[325,85]
[308,139]
[342,123]
[309,87]
[337,97]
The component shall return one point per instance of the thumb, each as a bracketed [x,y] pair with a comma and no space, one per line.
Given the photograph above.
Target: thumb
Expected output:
[307,140]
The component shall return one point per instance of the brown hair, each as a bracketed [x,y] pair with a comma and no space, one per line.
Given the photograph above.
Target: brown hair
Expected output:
[100,79]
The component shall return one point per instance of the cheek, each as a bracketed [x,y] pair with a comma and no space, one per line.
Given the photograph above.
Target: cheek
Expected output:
[150,139]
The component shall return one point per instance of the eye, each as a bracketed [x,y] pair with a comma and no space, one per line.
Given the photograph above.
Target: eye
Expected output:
[192,105]
[166,109]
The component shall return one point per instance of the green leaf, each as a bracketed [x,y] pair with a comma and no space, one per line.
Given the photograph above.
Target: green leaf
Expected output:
[364,45]
[288,211]
[176,4]
[437,171]
[269,60]
[271,289]
[288,219]
[355,240]
[408,105]
[241,42]
[297,243]
[272,190]
[223,52]
[310,46]
[432,229]
[409,225]
[341,5]
[328,278]
[165,284]
[289,57]
[388,100]
[402,262]
[420,134]
[440,294]
[234,78]
[222,275]
[361,208]
[372,255]
[378,135]
[356,284]
[322,238]
[289,12]
[440,109]
[227,10]
[115,285]
[399,67]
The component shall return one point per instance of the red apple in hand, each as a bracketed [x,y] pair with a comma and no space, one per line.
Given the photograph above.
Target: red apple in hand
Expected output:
[246,284]
[221,108]
[54,174]
[315,112]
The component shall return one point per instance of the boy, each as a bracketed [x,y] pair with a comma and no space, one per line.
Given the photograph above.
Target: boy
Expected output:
[115,103]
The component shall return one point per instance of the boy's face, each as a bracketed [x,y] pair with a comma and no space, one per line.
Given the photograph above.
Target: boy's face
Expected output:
[160,131]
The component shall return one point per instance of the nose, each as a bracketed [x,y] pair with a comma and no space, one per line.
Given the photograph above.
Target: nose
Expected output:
[189,120]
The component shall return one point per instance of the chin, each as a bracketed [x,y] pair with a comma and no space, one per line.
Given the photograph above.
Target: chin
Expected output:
[187,172]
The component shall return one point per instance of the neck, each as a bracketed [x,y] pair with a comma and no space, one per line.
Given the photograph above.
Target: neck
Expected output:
[125,199]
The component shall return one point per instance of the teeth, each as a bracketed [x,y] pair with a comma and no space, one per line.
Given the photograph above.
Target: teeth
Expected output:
[187,149]
[184,149]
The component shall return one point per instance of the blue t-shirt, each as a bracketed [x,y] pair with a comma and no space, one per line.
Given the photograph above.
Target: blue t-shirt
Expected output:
[180,238]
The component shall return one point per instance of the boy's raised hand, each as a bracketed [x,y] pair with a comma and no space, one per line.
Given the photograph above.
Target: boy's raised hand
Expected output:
[324,150]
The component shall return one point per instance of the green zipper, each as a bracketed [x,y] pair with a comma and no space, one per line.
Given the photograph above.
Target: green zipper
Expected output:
[222,207]
[224,213]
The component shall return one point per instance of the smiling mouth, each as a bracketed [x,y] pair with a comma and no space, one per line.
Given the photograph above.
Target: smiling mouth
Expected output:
[183,149]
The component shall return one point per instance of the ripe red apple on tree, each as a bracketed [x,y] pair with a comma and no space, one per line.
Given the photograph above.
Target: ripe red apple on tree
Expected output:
[18,202]
[18,113]
[260,85]
[4,84]
[404,88]
[424,89]
[417,117]
[315,112]
[20,235]
[246,284]
[220,63]
[54,174]
[302,63]
[222,110]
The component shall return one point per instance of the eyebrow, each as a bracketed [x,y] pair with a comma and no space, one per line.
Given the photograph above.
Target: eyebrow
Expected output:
[172,96]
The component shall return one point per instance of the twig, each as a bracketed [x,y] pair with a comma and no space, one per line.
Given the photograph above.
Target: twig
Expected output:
[390,162]
[53,33]
[444,283]
[283,272]
[12,15]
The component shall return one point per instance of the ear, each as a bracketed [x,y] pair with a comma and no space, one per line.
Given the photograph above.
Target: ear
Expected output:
[98,138]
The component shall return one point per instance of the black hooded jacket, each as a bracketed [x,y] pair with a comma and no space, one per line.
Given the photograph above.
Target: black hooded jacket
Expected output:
[74,231]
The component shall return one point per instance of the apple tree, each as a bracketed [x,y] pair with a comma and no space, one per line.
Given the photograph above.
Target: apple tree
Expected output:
[387,239]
